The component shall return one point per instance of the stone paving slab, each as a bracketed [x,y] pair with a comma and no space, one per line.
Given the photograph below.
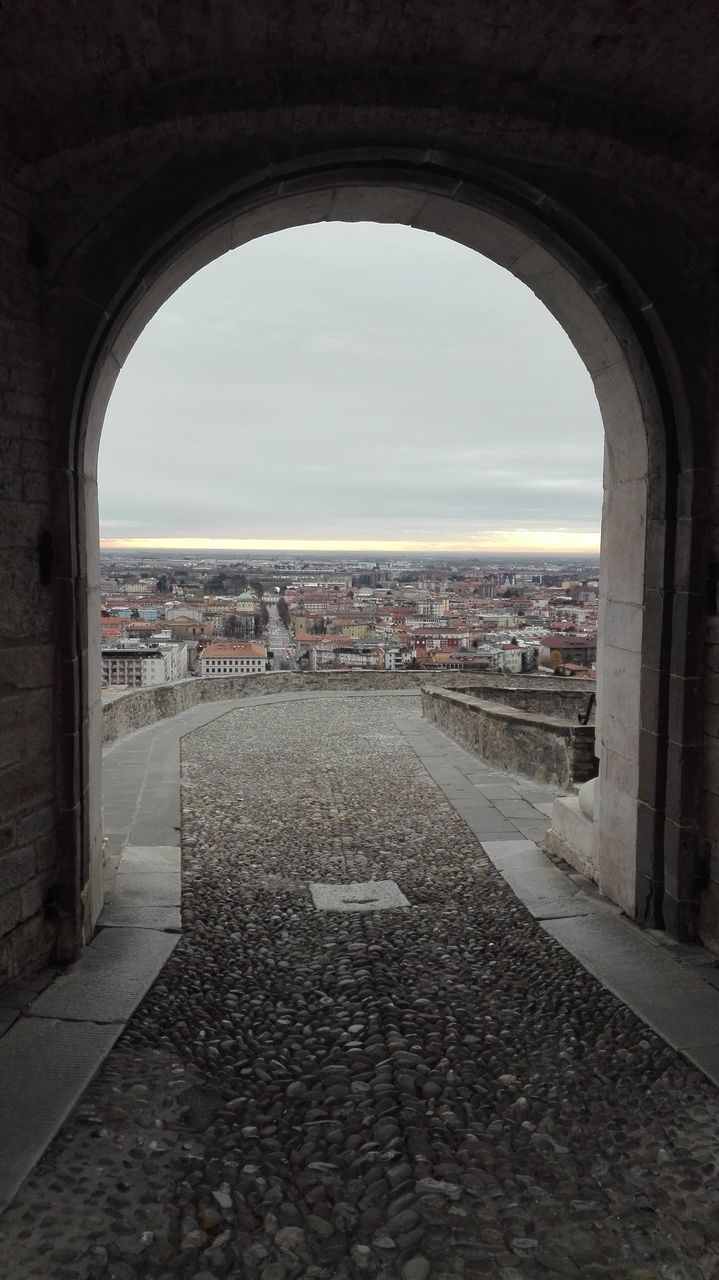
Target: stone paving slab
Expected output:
[497,791]
[484,822]
[368,895]
[155,889]
[110,978]
[151,858]
[533,830]
[516,808]
[44,1067]
[158,827]
[545,891]
[139,915]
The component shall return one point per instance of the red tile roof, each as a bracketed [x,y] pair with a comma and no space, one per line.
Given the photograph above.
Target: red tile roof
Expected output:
[234,651]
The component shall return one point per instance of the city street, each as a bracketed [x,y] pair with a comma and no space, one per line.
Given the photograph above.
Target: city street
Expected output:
[279,642]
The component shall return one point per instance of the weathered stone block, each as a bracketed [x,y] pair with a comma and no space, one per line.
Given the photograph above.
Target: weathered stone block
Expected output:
[38,822]
[16,868]
[32,896]
[21,787]
[9,911]
[28,666]
[26,947]
[574,837]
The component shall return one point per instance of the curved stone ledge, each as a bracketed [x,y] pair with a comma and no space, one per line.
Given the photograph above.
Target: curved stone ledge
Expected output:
[549,748]
[124,712]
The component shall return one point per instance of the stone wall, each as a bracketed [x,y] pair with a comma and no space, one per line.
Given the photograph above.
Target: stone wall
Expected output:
[124,712]
[566,698]
[28,858]
[709,911]
[545,747]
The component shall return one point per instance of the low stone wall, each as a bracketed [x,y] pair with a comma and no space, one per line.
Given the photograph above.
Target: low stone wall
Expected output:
[550,749]
[566,698]
[124,712]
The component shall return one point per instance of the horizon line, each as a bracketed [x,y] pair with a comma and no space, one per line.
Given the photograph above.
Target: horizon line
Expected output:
[521,541]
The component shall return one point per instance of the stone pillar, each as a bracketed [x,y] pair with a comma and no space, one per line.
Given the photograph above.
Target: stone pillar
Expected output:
[29,906]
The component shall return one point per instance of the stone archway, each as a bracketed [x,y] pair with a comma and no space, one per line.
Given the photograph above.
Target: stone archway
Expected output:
[615,331]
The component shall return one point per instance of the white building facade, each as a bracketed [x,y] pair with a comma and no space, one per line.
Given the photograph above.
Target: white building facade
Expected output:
[233,660]
[137,664]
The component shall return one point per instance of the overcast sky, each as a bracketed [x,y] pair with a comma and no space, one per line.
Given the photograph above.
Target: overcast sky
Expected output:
[353,384]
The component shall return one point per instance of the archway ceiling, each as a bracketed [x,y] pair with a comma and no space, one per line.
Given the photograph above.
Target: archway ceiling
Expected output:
[645,70]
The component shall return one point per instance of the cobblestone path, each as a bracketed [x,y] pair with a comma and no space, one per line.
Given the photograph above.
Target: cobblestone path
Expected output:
[415,1095]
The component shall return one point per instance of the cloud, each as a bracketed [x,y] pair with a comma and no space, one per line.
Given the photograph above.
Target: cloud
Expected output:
[347,381]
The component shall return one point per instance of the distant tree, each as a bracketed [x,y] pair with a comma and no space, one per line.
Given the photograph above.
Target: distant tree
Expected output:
[264,614]
[555,660]
[256,586]
[215,585]
[134,613]
[283,611]
[230,627]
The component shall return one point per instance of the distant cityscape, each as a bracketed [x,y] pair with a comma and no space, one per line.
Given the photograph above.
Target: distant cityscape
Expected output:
[168,616]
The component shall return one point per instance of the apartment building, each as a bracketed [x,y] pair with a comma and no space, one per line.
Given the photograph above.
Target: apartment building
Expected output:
[233,660]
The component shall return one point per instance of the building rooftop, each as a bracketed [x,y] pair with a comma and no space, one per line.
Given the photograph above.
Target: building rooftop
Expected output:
[234,651]
[568,641]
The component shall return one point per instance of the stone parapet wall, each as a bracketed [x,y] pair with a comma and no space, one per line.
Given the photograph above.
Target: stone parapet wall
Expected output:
[124,712]
[563,697]
[547,748]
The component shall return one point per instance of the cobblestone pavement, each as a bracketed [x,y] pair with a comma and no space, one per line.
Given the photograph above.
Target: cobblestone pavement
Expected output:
[415,1095]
